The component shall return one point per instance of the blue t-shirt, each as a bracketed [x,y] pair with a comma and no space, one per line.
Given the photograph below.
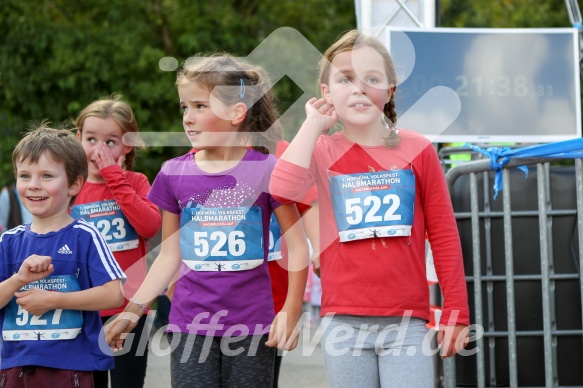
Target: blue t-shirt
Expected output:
[240,300]
[81,260]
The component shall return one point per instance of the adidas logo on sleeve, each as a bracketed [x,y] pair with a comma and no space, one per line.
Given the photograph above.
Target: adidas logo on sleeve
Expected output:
[65,250]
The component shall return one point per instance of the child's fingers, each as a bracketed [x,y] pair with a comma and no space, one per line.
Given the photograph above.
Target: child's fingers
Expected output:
[292,342]
[37,262]
[116,344]
[272,338]
[21,294]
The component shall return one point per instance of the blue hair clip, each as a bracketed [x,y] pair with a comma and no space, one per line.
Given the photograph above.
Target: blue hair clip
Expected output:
[242,88]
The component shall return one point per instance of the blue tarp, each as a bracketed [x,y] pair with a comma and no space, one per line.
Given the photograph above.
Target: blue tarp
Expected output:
[500,156]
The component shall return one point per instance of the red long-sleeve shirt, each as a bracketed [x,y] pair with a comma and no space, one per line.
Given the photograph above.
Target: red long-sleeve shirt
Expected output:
[129,190]
[277,268]
[382,276]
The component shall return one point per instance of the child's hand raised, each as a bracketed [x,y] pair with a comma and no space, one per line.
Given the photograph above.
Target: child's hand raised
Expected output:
[321,113]
[34,268]
[103,157]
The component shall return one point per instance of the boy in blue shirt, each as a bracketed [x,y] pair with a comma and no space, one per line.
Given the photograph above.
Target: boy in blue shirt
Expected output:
[56,273]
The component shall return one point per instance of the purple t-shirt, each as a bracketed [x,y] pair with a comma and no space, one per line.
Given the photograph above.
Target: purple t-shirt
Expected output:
[230,303]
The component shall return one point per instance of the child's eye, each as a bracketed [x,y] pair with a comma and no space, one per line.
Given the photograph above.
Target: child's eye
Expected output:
[47,176]
[91,140]
[23,176]
[200,106]
[110,143]
[344,80]
[373,80]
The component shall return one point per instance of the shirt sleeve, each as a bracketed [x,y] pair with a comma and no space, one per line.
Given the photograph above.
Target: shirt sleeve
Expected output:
[103,267]
[161,193]
[2,261]
[142,214]
[444,239]
[290,182]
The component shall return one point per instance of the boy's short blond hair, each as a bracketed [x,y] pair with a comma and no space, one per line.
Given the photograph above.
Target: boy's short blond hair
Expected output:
[61,145]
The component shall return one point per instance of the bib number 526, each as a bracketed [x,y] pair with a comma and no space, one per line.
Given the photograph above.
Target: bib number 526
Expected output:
[216,241]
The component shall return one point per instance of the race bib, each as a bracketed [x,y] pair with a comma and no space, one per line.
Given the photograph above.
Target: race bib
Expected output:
[373,204]
[20,325]
[111,222]
[274,240]
[221,239]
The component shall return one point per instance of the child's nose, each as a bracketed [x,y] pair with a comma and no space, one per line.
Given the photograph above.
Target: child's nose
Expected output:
[188,118]
[359,86]
[34,183]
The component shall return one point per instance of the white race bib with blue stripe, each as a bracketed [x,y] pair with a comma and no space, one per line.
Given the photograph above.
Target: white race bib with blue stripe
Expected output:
[373,204]
[274,240]
[221,239]
[20,325]
[113,225]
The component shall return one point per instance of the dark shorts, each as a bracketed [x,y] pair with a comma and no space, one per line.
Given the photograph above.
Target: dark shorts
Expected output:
[42,377]
[199,361]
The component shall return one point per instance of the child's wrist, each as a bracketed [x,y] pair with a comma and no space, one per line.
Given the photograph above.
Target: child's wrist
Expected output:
[315,123]
[139,305]
[17,281]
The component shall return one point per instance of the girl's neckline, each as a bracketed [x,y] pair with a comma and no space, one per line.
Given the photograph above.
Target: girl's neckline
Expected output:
[344,138]
[223,172]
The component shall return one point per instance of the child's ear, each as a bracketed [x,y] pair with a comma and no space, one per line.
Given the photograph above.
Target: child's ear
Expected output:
[126,149]
[239,112]
[390,93]
[326,93]
[76,186]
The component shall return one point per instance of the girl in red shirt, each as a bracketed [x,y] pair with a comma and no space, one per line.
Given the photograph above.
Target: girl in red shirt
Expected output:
[380,189]
[114,200]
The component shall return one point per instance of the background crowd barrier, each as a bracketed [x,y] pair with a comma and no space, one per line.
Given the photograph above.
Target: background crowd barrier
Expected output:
[522,255]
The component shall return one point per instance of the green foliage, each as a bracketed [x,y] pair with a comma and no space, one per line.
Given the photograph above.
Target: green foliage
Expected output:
[504,13]
[57,56]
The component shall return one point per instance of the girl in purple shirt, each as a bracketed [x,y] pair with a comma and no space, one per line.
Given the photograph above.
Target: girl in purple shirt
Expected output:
[215,231]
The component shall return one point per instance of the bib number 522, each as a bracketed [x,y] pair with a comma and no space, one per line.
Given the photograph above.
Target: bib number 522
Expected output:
[371,205]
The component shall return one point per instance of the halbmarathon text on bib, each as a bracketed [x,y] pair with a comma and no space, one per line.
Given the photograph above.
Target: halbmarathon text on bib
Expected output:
[373,204]
[111,222]
[221,239]
[20,325]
